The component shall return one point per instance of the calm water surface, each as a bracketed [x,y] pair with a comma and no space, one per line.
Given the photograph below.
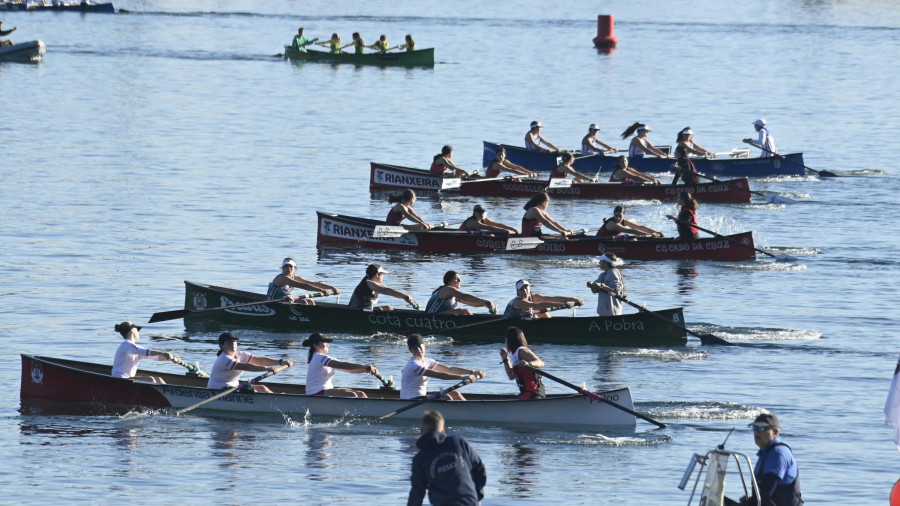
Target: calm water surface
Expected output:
[169,144]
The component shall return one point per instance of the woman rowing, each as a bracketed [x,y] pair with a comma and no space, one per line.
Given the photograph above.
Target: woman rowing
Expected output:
[591,145]
[231,363]
[687,218]
[403,210]
[536,215]
[534,139]
[129,353]
[443,162]
[565,168]
[640,145]
[618,225]
[445,298]
[526,302]
[480,222]
[284,284]
[365,295]
[321,368]
[333,44]
[516,357]
[685,140]
[358,44]
[500,164]
[622,173]
[381,45]
[410,45]
[414,378]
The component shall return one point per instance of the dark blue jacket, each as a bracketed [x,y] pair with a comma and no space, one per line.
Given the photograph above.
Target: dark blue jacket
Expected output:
[449,469]
[777,476]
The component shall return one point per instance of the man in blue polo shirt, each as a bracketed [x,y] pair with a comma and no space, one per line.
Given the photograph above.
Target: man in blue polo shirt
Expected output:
[776,471]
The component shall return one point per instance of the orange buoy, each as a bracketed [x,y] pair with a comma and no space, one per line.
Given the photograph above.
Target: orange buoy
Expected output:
[605,36]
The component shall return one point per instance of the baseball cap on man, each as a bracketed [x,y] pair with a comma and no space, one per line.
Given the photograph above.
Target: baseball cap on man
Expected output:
[766,420]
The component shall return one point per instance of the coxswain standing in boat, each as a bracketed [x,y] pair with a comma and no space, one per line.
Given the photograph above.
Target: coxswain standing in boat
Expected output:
[403,210]
[565,169]
[446,467]
[414,378]
[622,173]
[536,215]
[618,225]
[534,139]
[444,162]
[4,33]
[515,357]
[480,222]
[333,44]
[322,367]
[300,41]
[445,298]
[129,353]
[365,295]
[284,284]
[591,145]
[231,363]
[640,145]
[765,142]
[526,302]
[687,218]
[776,472]
[610,281]
[410,45]
[500,164]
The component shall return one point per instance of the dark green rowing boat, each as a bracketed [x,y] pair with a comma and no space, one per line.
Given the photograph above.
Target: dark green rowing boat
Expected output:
[638,329]
[418,58]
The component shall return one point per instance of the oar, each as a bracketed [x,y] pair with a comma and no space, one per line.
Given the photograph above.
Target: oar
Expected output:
[820,173]
[193,369]
[704,338]
[780,256]
[518,243]
[772,198]
[388,231]
[593,395]
[386,383]
[428,398]
[492,320]
[181,313]
[231,390]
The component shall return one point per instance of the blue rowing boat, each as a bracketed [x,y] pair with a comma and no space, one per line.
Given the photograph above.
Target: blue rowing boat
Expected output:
[591,164]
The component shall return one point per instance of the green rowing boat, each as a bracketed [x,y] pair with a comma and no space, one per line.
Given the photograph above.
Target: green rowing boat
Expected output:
[640,329]
[418,58]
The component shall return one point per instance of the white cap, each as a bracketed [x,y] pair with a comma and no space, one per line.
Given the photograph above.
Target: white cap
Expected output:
[536,124]
[593,127]
[687,131]
[760,122]
[289,261]
[605,258]
[644,127]
[522,283]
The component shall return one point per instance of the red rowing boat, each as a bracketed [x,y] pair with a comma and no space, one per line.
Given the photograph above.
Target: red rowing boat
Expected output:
[395,177]
[336,229]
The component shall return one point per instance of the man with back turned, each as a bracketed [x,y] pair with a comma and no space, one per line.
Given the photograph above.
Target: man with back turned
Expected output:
[446,467]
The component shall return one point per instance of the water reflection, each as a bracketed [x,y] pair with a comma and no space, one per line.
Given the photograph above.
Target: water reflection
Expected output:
[687,274]
[520,469]
[317,455]
[126,440]
[225,443]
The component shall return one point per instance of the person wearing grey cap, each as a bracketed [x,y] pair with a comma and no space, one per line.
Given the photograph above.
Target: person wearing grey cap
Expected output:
[590,144]
[534,139]
[479,221]
[765,142]
[526,302]
[130,353]
[284,283]
[365,295]
[776,471]
[610,281]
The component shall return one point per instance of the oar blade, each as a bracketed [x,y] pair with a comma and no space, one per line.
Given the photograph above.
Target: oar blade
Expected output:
[522,243]
[388,231]
[560,183]
[827,173]
[451,183]
[714,340]
[774,198]
[165,316]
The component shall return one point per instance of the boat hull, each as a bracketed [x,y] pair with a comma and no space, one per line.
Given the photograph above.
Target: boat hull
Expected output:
[419,58]
[638,329]
[591,164]
[394,177]
[335,229]
[57,384]
[29,52]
